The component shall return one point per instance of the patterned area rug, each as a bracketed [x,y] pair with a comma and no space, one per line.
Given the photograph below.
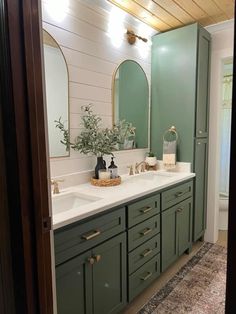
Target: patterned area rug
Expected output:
[198,287]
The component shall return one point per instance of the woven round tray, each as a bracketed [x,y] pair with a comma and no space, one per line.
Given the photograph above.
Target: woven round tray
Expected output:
[106,182]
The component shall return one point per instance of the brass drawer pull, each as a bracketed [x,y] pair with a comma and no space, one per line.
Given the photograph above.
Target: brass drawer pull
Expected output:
[97,258]
[179,210]
[91,235]
[149,274]
[178,194]
[146,253]
[146,231]
[146,209]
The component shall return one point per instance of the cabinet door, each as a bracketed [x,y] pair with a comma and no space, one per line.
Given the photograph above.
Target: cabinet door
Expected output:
[203,83]
[73,286]
[200,168]
[109,276]
[169,237]
[174,66]
[184,221]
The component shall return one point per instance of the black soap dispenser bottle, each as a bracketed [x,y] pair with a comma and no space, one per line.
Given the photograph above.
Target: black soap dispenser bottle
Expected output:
[113,169]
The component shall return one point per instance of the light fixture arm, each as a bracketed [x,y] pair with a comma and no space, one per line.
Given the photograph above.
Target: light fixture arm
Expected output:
[131,37]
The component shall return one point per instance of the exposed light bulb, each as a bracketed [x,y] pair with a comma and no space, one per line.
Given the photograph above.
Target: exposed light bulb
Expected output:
[116,28]
[57,9]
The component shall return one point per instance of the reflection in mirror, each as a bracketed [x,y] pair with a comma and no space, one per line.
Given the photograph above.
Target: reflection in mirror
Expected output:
[131,102]
[56,78]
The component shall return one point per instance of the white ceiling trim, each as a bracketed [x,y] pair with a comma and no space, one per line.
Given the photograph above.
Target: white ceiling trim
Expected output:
[220,26]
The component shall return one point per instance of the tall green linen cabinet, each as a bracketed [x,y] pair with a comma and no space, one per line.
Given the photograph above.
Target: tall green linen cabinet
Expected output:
[180,97]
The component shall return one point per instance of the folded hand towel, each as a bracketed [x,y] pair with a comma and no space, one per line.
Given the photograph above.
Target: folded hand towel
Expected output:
[169,154]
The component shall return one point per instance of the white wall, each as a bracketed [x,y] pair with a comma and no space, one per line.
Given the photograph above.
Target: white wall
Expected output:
[222,47]
[83,35]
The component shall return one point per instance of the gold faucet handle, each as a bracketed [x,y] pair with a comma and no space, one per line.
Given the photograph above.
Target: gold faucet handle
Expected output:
[143,167]
[56,185]
[53,181]
[131,171]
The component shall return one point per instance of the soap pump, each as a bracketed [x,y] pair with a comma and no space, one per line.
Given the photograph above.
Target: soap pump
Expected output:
[113,169]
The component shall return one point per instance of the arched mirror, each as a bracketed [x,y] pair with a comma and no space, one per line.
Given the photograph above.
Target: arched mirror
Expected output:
[131,102]
[57,90]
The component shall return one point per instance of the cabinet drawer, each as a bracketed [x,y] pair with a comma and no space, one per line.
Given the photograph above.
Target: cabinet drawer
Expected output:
[143,232]
[144,253]
[74,239]
[144,209]
[176,195]
[142,278]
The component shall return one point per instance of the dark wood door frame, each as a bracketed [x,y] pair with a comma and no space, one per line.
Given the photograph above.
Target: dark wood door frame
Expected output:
[231,262]
[25,152]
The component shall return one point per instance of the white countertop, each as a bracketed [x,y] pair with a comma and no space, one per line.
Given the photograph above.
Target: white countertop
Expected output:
[131,188]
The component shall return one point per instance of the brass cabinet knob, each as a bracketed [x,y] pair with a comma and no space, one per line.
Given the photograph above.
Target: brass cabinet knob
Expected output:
[91,260]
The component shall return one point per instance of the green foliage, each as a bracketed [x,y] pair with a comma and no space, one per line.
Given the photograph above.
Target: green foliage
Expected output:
[66,137]
[98,141]
[151,154]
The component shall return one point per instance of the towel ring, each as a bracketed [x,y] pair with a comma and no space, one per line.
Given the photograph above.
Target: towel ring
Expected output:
[171,130]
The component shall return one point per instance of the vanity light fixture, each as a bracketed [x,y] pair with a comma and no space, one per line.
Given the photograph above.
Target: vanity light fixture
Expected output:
[131,37]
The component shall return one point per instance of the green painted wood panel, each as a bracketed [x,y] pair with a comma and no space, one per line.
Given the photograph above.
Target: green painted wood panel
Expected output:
[169,237]
[70,240]
[203,83]
[199,219]
[142,278]
[134,99]
[176,195]
[143,209]
[109,276]
[173,89]
[143,232]
[184,222]
[144,253]
[74,286]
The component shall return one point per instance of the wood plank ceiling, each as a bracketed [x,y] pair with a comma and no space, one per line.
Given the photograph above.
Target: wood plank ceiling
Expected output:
[163,15]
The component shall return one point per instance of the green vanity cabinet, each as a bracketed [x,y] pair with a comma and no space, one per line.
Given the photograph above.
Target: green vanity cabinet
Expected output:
[180,97]
[94,282]
[73,286]
[109,276]
[91,265]
[107,260]
[169,237]
[176,232]
[200,188]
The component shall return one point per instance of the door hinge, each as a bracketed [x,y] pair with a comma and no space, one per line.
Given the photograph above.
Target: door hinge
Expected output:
[47,224]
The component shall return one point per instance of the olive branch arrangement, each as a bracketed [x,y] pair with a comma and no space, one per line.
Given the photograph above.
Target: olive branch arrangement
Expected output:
[96,140]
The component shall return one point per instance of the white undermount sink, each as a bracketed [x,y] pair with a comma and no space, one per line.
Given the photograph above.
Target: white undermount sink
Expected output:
[70,200]
[159,177]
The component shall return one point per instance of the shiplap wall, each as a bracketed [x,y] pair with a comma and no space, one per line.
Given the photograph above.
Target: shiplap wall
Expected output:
[92,60]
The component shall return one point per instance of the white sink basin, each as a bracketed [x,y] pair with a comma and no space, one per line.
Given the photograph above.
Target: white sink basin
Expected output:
[158,177]
[70,200]
[155,175]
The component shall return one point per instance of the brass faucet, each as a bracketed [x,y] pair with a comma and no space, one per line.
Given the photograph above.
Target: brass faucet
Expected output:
[131,171]
[143,166]
[55,184]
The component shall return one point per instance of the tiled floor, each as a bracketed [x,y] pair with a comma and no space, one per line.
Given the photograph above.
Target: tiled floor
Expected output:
[139,301]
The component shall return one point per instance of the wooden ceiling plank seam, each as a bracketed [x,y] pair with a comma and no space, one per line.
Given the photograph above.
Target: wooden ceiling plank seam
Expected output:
[151,12]
[138,17]
[197,18]
[167,8]
[208,6]
[223,8]
[163,11]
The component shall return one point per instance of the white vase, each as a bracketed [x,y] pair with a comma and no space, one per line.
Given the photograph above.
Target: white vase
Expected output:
[151,161]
